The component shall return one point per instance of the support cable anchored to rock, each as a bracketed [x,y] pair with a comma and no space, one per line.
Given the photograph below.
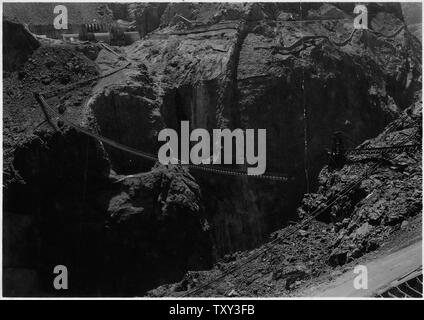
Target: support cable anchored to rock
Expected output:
[377,150]
[305,123]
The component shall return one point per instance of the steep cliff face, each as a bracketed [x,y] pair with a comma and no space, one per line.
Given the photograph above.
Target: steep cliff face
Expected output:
[230,69]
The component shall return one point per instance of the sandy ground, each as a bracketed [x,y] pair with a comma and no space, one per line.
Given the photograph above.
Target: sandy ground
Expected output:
[392,261]
[380,272]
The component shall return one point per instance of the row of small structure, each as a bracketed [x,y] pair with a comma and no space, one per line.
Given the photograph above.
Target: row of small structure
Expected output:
[88,32]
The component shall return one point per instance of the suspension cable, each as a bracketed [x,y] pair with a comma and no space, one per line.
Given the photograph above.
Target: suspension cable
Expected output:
[151,157]
[305,121]
[48,94]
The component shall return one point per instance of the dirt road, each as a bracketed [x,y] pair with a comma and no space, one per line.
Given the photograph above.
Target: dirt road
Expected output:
[381,272]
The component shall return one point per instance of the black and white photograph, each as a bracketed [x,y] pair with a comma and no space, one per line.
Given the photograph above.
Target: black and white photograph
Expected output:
[219,150]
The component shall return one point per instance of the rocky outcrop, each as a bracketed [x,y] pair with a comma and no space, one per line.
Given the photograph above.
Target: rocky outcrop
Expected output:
[157,229]
[125,108]
[390,195]
[47,70]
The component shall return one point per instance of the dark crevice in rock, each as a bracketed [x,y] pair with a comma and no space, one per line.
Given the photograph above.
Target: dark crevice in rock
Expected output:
[226,111]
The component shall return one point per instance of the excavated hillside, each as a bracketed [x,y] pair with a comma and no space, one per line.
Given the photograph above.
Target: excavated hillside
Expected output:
[92,207]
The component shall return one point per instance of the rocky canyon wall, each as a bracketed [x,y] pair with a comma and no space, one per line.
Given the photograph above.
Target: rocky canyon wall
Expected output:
[220,66]
[228,70]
